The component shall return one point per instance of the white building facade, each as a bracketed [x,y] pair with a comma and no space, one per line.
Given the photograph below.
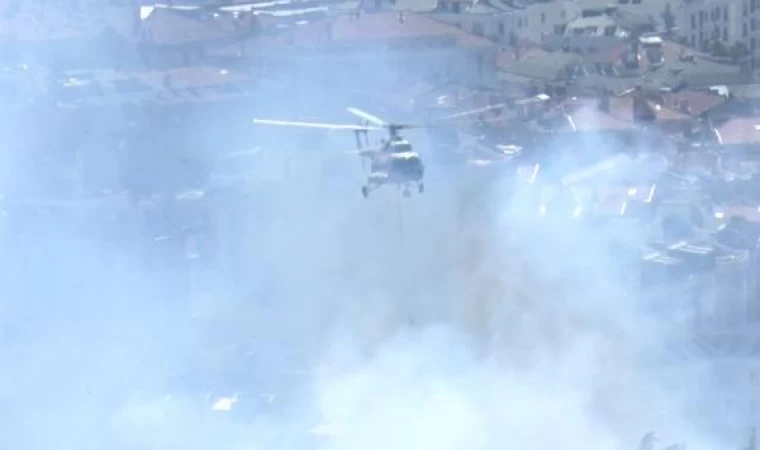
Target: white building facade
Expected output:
[704,21]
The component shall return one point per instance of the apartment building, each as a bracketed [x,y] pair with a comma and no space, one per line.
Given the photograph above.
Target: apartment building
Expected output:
[494,19]
[702,22]
[599,29]
[538,20]
[534,21]
[750,10]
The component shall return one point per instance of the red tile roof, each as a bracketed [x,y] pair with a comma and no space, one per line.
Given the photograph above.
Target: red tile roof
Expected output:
[168,27]
[697,102]
[741,130]
[187,84]
[374,27]
[509,56]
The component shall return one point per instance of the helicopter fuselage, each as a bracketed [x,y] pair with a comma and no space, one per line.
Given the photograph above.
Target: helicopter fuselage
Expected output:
[402,169]
[397,145]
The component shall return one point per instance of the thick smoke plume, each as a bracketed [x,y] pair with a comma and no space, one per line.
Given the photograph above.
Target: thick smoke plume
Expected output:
[433,323]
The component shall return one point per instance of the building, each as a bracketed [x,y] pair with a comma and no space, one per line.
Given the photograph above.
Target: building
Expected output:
[494,20]
[659,10]
[533,20]
[539,19]
[600,28]
[751,13]
[356,50]
[704,22]
[169,37]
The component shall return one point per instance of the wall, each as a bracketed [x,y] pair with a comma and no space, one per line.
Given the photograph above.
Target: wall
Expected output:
[495,27]
[720,20]
[542,19]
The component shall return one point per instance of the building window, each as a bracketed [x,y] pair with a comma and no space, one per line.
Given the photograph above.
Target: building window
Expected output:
[456,7]
[725,34]
[543,17]
[725,13]
[562,14]
[752,45]
[745,9]
[693,40]
[744,29]
[636,2]
[478,29]
[501,29]
[752,25]
[693,21]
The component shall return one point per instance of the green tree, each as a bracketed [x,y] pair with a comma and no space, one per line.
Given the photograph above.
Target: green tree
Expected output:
[718,48]
[738,52]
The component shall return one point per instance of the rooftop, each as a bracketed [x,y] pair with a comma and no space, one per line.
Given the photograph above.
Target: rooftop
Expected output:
[555,66]
[739,130]
[607,20]
[372,28]
[187,84]
[164,26]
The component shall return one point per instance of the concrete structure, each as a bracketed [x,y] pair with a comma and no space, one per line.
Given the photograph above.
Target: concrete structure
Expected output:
[541,19]
[533,21]
[493,20]
[702,22]
[376,49]
[752,8]
[600,28]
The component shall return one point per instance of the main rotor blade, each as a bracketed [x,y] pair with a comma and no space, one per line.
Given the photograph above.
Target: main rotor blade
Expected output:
[325,126]
[625,92]
[364,152]
[470,112]
[368,117]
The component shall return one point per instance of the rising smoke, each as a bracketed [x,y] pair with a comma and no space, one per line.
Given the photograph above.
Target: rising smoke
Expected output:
[433,323]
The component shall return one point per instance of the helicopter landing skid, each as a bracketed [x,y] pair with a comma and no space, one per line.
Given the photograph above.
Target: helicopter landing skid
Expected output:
[406,192]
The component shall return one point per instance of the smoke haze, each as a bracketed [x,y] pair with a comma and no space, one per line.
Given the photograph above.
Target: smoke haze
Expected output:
[429,323]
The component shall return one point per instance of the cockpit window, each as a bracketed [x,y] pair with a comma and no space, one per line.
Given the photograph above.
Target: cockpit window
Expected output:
[400,147]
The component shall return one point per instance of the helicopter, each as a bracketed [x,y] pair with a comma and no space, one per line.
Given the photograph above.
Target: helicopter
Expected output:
[393,161]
